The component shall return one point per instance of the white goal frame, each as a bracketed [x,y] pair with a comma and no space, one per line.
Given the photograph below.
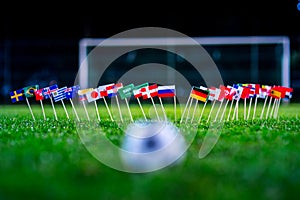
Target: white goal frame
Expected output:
[227,40]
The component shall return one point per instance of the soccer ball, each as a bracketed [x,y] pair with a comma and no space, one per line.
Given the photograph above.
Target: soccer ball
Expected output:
[152,145]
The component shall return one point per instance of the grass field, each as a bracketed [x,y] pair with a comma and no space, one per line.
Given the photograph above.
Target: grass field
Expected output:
[40,159]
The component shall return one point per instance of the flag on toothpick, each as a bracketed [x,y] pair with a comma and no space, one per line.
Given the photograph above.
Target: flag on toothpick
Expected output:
[39,97]
[60,95]
[103,92]
[71,93]
[214,94]
[204,94]
[254,92]
[199,94]
[237,96]
[47,91]
[275,93]
[230,96]
[16,95]
[148,92]
[126,92]
[82,98]
[39,94]
[167,91]
[226,91]
[29,90]
[92,96]
[264,93]
[28,93]
[245,95]
[286,94]
[82,94]
[111,90]
[220,98]
[137,94]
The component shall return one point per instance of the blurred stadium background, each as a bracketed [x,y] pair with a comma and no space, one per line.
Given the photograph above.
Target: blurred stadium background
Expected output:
[40,45]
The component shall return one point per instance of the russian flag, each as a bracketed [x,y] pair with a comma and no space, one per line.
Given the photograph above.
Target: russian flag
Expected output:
[166,91]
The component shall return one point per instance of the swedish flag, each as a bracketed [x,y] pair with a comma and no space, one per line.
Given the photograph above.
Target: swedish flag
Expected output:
[29,90]
[16,96]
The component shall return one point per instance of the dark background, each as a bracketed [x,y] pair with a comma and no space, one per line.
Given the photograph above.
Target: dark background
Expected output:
[39,42]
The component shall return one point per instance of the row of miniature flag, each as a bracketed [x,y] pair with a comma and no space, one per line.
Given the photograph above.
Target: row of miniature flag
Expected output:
[235,93]
[56,94]
[146,91]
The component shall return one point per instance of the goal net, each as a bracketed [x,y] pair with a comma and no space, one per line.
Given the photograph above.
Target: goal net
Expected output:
[246,59]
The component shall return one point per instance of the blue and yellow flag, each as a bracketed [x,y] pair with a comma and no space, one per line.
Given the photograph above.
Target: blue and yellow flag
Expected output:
[16,96]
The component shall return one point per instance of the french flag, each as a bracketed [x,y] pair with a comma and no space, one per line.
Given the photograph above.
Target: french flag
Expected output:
[166,91]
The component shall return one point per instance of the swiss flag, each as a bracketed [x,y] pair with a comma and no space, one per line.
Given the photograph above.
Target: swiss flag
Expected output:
[39,94]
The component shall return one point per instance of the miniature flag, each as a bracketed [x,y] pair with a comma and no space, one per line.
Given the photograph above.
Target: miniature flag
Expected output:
[166,91]
[230,92]
[286,92]
[59,94]
[254,89]
[275,93]
[113,90]
[104,88]
[199,94]
[264,91]
[137,90]
[223,93]
[149,91]
[39,94]
[29,90]
[71,92]
[214,93]
[16,96]
[82,94]
[93,95]
[48,90]
[245,93]
[238,92]
[126,91]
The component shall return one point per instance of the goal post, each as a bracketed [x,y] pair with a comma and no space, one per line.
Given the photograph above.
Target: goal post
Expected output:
[252,58]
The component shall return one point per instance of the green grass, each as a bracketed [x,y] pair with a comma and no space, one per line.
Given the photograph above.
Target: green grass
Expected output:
[40,159]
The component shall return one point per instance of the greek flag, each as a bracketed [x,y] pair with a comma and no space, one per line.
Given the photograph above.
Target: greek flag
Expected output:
[59,94]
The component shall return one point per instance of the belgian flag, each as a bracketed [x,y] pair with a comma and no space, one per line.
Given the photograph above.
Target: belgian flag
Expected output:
[199,94]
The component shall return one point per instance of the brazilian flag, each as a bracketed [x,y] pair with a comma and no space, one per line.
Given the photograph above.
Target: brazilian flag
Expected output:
[29,90]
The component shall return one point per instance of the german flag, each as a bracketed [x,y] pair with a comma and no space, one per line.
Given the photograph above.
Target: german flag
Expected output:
[199,94]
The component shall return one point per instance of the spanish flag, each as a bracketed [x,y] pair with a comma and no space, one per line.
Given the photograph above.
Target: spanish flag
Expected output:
[199,94]
[275,93]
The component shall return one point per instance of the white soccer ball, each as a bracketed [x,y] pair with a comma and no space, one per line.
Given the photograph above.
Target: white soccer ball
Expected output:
[152,145]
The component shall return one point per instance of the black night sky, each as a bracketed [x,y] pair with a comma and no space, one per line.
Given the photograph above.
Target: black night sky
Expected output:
[46,35]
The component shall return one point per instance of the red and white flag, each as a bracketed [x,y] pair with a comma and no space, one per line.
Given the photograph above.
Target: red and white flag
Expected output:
[214,93]
[104,88]
[39,94]
[149,91]
[93,95]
